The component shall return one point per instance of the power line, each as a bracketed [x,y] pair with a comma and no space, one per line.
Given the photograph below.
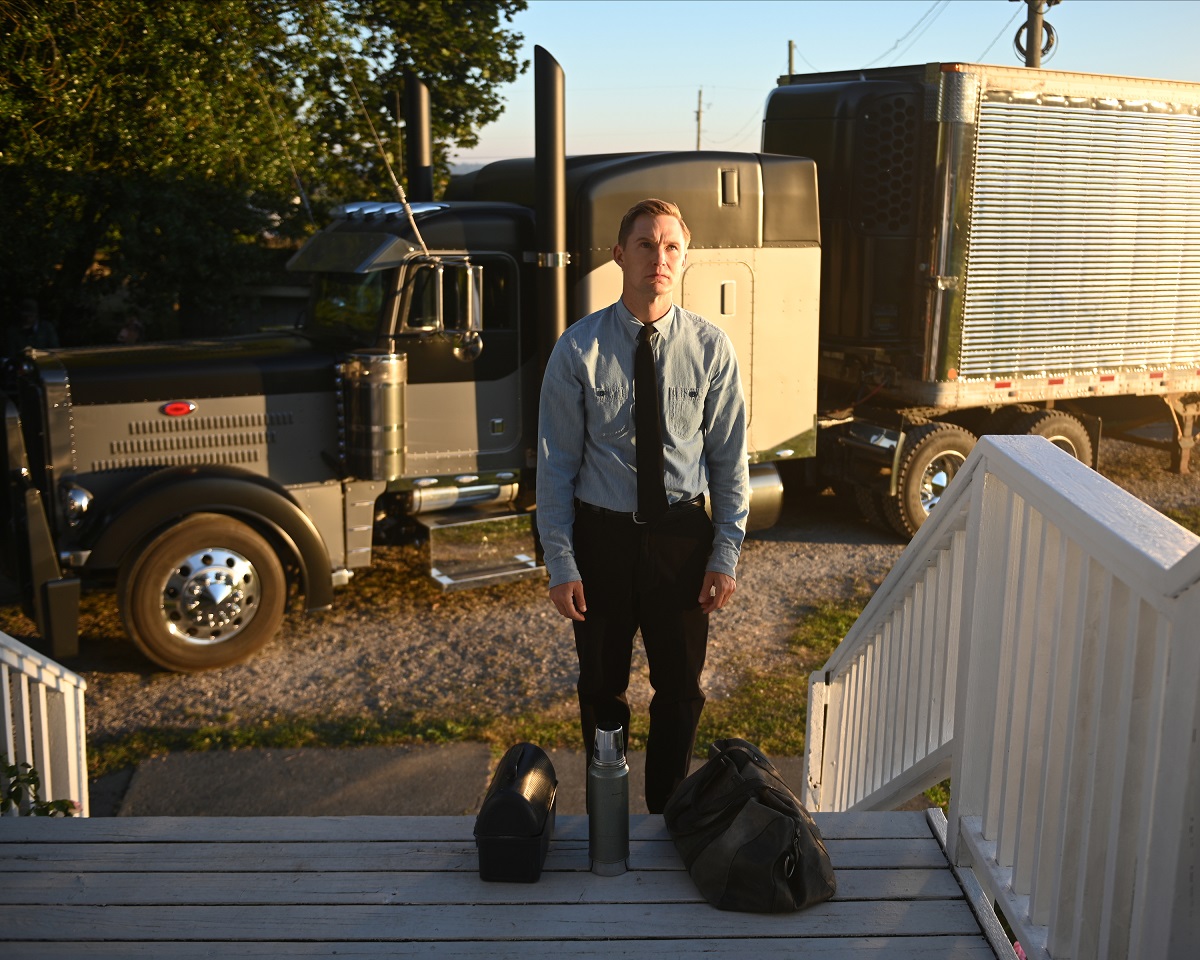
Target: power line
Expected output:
[937,3]
[793,49]
[920,34]
[988,48]
[754,116]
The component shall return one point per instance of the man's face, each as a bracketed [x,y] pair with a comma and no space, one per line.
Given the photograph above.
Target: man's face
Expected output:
[652,257]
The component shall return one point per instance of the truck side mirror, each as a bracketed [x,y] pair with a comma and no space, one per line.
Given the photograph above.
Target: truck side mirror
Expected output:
[468,344]
[444,295]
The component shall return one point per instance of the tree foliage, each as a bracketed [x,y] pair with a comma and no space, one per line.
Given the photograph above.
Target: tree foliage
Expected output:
[153,152]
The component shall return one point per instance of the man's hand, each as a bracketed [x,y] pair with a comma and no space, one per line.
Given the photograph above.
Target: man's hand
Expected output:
[568,599]
[717,589]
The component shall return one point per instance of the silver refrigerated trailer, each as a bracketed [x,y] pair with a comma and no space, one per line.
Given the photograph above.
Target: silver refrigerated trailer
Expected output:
[1004,250]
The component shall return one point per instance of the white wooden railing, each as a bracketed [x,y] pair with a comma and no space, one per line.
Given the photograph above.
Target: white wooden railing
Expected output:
[1038,641]
[42,716]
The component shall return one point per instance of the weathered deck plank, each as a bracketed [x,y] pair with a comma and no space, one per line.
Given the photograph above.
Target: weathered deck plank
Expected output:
[452,922]
[842,948]
[426,888]
[455,855]
[373,887]
[833,826]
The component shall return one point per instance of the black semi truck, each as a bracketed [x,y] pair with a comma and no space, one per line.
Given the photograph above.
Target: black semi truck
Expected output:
[995,250]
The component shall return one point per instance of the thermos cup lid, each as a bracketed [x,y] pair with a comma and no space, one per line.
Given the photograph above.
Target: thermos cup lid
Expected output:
[610,745]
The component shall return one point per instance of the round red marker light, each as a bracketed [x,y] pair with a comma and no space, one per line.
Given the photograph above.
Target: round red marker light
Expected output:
[178,408]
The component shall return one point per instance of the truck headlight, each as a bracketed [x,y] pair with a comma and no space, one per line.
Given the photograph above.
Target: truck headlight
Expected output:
[76,501]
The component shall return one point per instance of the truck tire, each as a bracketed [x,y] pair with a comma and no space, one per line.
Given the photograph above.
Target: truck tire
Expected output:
[205,593]
[1061,429]
[933,454]
[870,505]
[1002,420]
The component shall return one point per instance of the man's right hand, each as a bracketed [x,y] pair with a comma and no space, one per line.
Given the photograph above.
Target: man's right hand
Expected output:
[568,599]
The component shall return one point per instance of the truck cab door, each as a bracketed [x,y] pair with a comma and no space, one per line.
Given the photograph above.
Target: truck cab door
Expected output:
[463,402]
[723,293]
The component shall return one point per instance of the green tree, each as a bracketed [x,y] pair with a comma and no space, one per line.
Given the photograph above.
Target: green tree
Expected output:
[158,153]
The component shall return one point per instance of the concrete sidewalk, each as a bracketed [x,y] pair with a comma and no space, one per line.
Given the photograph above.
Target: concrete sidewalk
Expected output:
[446,780]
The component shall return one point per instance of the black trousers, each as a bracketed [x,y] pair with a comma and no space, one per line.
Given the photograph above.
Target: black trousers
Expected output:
[648,577]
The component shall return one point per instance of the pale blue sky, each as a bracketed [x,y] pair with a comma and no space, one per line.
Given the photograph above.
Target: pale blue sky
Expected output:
[634,68]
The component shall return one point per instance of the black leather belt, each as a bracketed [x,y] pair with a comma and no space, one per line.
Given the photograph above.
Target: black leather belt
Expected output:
[692,504]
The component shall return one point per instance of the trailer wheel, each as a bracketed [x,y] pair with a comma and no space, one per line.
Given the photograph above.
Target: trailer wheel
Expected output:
[1002,420]
[933,454]
[870,505]
[1061,429]
[207,592]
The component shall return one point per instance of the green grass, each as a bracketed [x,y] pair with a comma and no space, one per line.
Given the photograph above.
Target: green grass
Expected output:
[770,709]
[1188,517]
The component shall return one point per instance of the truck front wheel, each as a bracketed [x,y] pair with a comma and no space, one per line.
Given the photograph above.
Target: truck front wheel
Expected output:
[207,592]
[933,453]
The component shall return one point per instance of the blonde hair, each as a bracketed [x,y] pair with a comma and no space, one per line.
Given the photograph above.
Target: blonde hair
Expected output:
[653,208]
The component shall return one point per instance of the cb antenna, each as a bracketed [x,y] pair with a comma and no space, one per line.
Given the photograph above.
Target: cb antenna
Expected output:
[412,221]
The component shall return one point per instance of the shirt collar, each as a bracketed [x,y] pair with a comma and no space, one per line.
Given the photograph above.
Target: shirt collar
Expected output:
[634,325]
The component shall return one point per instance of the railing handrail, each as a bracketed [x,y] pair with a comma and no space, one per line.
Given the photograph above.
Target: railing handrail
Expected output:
[42,716]
[37,666]
[1037,640]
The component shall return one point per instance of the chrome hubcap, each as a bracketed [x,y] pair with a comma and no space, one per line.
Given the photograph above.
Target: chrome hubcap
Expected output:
[937,476]
[210,597]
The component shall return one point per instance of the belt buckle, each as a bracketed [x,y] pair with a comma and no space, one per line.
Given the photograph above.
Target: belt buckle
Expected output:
[640,523]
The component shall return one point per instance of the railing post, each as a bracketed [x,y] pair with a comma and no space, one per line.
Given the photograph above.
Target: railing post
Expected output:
[814,740]
[988,533]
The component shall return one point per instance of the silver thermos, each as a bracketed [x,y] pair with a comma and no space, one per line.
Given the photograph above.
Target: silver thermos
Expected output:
[608,804]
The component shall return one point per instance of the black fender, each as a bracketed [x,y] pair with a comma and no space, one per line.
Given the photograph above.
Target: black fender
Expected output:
[156,500]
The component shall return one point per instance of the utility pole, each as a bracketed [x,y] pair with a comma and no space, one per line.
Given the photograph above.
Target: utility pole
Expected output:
[699,114]
[1033,47]
[791,58]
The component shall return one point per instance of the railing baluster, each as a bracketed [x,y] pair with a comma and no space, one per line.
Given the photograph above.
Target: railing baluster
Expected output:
[43,719]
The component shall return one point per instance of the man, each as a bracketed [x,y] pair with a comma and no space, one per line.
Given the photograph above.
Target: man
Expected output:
[626,539]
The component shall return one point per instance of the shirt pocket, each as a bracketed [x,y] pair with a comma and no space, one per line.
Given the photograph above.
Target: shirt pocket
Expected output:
[684,408]
[608,412]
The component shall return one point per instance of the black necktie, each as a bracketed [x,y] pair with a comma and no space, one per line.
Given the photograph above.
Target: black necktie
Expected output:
[652,495]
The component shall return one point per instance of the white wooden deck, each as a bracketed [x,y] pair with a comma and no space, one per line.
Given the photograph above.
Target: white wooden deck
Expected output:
[409,887]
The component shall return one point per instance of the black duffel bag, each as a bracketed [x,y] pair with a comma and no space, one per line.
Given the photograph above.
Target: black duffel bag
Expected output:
[745,838]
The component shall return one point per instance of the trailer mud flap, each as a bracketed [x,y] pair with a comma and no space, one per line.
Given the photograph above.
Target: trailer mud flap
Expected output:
[55,598]
[474,548]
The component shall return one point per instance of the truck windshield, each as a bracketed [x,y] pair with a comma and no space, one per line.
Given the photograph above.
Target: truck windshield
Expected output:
[349,303]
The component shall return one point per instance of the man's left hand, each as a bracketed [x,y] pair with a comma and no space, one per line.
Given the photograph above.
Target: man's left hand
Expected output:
[717,589]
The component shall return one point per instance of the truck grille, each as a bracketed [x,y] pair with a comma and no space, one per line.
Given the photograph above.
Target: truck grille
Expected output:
[236,439]
[1063,204]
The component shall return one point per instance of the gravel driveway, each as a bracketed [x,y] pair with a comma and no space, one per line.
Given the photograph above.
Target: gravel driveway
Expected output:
[394,642]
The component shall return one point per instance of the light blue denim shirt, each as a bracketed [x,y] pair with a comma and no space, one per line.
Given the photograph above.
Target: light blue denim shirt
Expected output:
[586,428]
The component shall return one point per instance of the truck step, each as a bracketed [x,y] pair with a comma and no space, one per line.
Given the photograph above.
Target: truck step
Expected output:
[472,548]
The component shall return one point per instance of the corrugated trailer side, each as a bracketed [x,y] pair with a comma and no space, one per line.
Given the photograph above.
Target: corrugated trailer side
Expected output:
[1074,247]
